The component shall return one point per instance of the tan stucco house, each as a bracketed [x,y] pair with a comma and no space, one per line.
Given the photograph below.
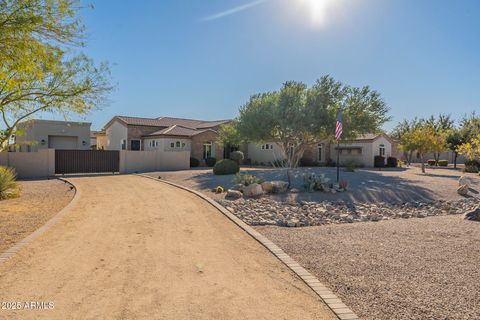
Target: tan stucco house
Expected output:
[361,150]
[39,134]
[164,133]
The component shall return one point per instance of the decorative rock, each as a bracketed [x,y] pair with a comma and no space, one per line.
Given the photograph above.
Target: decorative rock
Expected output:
[473,215]
[463,190]
[233,194]
[294,190]
[280,186]
[464,181]
[253,190]
[238,187]
[268,187]
[376,217]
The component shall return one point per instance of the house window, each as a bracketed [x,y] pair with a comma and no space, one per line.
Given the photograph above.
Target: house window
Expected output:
[183,145]
[320,152]
[177,144]
[267,146]
[157,143]
[172,145]
[207,150]
[381,150]
[124,144]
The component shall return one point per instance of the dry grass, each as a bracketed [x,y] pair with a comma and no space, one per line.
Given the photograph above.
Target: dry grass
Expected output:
[39,200]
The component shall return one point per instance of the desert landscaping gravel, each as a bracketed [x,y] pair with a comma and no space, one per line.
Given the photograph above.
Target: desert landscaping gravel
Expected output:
[39,201]
[395,269]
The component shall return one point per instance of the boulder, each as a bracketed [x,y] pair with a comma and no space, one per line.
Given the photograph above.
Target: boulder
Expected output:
[464,181]
[268,187]
[473,215]
[279,186]
[463,190]
[233,194]
[253,190]
[294,190]
[238,187]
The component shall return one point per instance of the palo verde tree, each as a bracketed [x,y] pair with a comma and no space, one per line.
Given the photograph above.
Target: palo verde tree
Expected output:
[40,70]
[297,116]
[422,139]
[401,133]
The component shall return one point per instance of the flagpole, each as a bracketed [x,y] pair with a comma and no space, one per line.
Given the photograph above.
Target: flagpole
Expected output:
[338,160]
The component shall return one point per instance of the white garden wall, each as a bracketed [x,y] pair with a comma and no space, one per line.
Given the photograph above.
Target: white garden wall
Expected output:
[38,164]
[145,161]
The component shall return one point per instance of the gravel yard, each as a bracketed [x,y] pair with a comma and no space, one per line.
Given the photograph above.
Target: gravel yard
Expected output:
[396,269]
[39,200]
[365,185]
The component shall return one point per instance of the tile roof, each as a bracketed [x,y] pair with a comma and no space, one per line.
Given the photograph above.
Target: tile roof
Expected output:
[176,130]
[169,121]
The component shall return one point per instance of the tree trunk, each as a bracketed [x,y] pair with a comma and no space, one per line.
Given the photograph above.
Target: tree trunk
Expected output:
[423,163]
[455,161]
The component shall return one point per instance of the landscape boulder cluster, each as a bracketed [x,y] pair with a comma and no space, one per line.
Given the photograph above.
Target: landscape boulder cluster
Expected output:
[265,211]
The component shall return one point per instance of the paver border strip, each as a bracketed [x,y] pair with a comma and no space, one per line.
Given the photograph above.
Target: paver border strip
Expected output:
[328,297]
[10,252]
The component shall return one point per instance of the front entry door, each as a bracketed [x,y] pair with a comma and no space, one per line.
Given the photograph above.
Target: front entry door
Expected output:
[135,145]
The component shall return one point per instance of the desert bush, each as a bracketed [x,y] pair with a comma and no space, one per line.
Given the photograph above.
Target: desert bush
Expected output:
[392,162]
[194,162]
[350,165]
[210,161]
[312,182]
[443,163]
[246,179]
[343,184]
[8,183]
[379,161]
[431,162]
[226,166]
[472,166]
[237,156]
[219,189]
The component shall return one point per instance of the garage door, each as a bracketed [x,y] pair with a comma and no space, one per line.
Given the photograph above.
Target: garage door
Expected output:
[62,142]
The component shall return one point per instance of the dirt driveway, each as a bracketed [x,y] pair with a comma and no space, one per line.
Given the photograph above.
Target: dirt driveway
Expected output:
[133,248]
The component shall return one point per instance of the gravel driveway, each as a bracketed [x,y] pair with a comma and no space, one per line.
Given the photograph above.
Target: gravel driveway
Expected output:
[134,248]
[398,269]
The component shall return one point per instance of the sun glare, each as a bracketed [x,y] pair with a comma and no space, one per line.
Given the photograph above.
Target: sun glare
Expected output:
[318,10]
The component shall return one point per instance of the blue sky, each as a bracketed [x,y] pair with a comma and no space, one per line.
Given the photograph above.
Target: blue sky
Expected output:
[193,59]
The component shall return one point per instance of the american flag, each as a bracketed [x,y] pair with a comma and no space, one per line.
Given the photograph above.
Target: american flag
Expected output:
[339,127]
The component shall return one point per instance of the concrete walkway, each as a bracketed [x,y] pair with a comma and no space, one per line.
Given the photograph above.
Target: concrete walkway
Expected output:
[133,248]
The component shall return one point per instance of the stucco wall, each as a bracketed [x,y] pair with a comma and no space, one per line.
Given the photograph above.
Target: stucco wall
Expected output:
[27,165]
[164,144]
[259,155]
[115,133]
[145,161]
[37,130]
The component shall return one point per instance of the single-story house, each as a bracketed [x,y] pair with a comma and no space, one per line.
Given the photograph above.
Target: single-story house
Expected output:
[361,150]
[164,133]
[39,134]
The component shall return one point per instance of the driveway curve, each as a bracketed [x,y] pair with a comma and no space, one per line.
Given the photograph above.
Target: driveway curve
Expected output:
[133,248]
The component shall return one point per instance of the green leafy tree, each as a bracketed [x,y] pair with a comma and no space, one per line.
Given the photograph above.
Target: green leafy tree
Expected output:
[454,140]
[422,139]
[400,133]
[296,116]
[40,70]
[471,149]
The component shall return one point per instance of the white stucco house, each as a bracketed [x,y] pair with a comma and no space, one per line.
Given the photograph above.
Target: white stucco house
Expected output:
[361,150]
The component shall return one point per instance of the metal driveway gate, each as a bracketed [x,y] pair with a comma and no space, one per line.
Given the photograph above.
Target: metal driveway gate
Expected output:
[86,161]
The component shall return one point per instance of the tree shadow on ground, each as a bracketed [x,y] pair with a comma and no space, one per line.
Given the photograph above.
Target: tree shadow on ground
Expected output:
[364,185]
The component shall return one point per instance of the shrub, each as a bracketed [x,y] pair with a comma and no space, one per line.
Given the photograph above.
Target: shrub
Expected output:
[350,165]
[219,189]
[8,183]
[431,162]
[246,179]
[210,161]
[379,162]
[305,162]
[226,166]
[237,156]
[472,166]
[392,162]
[312,182]
[247,162]
[330,163]
[194,162]
[343,184]
[443,163]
